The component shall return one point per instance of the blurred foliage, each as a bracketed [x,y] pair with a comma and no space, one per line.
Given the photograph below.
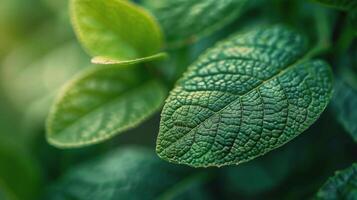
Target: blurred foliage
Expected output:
[39,52]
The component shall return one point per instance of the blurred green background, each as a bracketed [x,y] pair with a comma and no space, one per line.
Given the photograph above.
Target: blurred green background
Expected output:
[39,52]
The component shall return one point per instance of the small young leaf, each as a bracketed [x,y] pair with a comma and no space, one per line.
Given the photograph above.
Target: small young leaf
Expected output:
[245,97]
[341,186]
[130,173]
[115,29]
[185,20]
[101,102]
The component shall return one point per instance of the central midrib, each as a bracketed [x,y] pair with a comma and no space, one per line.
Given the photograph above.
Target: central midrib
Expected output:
[279,73]
[127,91]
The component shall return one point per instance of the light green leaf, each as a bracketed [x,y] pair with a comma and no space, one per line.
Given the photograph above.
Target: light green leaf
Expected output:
[344,102]
[339,4]
[341,186]
[187,20]
[130,174]
[110,61]
[246,96]
[115,29]
[101,102]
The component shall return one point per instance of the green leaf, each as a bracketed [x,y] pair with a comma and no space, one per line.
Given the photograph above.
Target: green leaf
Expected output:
[339,4]
[100,103]
[246,96]
[109,61]
[115,29]
[187,20]
[341,186]
[130,174]
[344,102]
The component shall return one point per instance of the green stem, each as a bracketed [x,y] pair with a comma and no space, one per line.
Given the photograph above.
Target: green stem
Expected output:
[323,31]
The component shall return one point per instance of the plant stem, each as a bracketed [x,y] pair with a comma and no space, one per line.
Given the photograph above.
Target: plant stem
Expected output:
[323,32]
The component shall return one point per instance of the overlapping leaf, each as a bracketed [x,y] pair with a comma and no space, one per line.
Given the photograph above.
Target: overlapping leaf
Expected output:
[341,186]
[185,20]
[344,102]
[339,4]
[115,29]
[246,96]
[130,173]
[101,102]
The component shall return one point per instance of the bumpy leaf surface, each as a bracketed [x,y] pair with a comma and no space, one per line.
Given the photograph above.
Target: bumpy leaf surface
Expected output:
[246,96]
[130,174]
[187,19]
[115,29]
[341,186]
[100,103]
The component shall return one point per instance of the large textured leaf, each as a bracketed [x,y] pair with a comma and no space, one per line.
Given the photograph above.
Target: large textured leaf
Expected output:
[100,103]
[115,29]
[339,4]
[130,174]
[184,20]
[246,96]
[341,186]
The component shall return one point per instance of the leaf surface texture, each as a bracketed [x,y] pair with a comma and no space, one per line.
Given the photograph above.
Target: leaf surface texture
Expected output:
[247,95]
[101,102]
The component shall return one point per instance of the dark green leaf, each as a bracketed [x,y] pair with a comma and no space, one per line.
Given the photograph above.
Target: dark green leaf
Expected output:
[186,20]
[339,4]
[341,186]
[115,29]
[243,98]
[344,102]
[101,102]
[130,174]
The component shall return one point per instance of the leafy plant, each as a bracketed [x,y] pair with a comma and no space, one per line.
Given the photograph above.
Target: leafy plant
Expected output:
[224,84]
[340,186]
